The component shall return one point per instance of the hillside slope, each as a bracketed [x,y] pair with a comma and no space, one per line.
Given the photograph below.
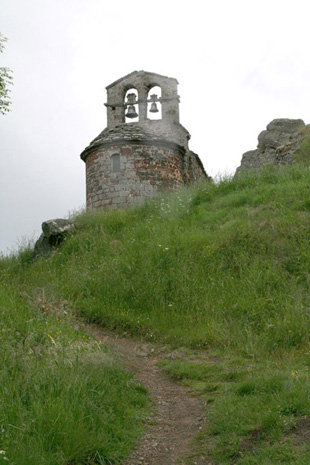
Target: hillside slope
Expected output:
[222,267]
[217,261]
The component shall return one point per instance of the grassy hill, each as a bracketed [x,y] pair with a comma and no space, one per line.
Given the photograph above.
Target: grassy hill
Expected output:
[222,267]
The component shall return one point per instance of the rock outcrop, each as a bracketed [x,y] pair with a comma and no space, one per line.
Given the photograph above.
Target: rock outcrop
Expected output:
[53,234]
[276,145]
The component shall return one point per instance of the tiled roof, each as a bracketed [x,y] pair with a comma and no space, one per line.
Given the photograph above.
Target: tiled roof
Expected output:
[123,132]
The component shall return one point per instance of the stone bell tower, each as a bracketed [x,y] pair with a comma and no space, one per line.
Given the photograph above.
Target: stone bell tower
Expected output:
[144,148]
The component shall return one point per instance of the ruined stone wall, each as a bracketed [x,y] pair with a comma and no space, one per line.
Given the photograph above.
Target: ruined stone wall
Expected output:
[277,145]
[196,170]
[145,169]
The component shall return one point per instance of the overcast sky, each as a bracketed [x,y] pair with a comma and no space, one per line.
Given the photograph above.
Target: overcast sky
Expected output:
[240,64]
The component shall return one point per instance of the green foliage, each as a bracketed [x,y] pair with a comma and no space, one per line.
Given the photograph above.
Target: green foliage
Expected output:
[5,81]
[184,369]
[228,262]
[223,267]
[303,153]
[63,398]
[253,414]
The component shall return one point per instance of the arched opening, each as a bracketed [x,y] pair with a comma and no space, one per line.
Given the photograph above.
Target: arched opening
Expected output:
[154,110]
[131,106]
[115,163]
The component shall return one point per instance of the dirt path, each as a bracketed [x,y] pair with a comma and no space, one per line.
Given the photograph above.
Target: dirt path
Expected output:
[178,415]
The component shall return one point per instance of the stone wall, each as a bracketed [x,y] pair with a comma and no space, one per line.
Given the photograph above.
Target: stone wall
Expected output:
[142,81]
[196,171]
[276,145]
[145,169]
[170,131]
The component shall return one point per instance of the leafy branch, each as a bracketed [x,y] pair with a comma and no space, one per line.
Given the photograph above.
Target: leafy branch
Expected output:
[6,80]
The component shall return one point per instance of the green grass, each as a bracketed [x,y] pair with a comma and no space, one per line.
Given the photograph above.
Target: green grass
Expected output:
[219,261]
[302,155]
[254,408]
[223,267]
[64,399]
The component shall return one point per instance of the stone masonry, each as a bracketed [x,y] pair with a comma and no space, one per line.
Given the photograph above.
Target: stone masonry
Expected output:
[132,161]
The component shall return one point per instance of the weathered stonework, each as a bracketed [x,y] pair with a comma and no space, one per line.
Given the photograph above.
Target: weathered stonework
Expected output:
[276,145]
[129,162]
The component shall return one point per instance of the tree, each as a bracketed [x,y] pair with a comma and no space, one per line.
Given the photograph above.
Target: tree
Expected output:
[5,81]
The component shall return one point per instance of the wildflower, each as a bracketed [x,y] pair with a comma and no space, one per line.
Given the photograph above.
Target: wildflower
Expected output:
[114,244]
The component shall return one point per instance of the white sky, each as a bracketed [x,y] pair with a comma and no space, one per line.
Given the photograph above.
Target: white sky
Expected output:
[239,63]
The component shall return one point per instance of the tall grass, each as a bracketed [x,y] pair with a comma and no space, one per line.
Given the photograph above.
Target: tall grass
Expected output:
[63,398]
[224,267]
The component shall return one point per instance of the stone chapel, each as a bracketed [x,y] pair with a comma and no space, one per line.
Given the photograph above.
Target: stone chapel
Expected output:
[144,148]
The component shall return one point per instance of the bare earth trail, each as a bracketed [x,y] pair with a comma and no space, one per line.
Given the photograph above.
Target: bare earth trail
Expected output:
[178,415]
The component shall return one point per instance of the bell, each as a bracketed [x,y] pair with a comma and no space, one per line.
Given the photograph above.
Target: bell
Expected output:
[131,112]
[131,98]
[154,108]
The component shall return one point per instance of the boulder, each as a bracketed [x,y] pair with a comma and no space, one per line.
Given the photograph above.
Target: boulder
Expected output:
[277,145]
[54,232]
[280,132]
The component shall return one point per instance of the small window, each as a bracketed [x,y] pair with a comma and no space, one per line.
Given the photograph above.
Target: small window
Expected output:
[116,163]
